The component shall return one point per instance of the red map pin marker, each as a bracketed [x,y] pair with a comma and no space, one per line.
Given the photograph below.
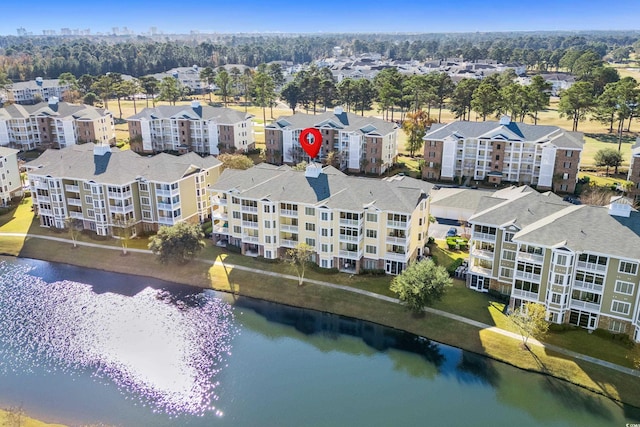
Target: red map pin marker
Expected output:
[311,141]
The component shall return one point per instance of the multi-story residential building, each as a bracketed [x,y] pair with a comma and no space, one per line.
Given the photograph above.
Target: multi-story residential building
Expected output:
[101,187]
[360,144]
[581,262]
[54,124]
[35,91]
[634,173]
[10,183]
[352,223]
[188,77]
[181,128]
[547,157]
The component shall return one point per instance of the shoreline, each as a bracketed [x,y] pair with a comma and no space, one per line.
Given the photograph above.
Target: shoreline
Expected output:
[169,273]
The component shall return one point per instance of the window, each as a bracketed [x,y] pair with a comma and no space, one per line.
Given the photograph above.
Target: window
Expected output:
[310,226]
[568,153]
[370,249]
[324,247]
[267,224]
[506,272]
[566,165]
[267,208]
[325,232]
[237,229]
[508,255]
[267,239]
[87,186]
[325,216]
[620,307]
[88,199]
[561,259]
[235,214]
[311,242]
[144,200]
[310,211]
[565,176]
[628,267]
[372,217]
[372,233]
[617,326]
[508,236]
[624,287]
[556,298]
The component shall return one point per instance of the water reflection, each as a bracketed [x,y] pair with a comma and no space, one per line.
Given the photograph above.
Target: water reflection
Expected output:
[164,349]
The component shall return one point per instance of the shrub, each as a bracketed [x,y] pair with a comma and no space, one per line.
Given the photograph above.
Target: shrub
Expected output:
[431,240]
[315,267]
[373,271]
[267,260]
[234,248]
[454,265]
[623,339]
[254,151]
[498,296]
[560,327]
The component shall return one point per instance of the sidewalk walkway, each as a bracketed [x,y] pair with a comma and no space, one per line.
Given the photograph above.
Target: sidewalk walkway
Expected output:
[448,315]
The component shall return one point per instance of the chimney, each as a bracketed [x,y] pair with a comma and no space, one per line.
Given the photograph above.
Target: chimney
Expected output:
[505,120]
[53,103]
[39,81]
[313,170]
[338,110]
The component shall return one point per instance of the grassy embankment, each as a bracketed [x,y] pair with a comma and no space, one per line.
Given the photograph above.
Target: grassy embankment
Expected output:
[458,300]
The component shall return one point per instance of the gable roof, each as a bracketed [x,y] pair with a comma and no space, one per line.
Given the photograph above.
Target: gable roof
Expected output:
[205,112]
[348,122]
[64,110]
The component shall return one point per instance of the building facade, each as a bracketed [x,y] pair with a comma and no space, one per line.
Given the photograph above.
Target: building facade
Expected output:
[352,223]
[580,262]
[104,188]
[10,182]
[634,173]
[182,128]
[36,91]
[189,77]
[547,157]
[54,124]
[359,144]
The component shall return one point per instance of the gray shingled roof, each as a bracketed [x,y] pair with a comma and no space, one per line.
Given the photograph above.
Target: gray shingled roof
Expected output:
[346,121]
[6,151]
[332,188]
[218,114]
[64,109]
[458,197]
[587,229]
[118,167]
[31,84]
[513,131]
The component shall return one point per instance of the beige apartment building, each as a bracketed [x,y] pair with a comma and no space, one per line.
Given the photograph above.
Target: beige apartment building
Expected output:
[360,144]
[581,262]
[102,186]
[547,157]
[352,223]
[10,183]
[634,173]
[198,128]
[54,124]
[35,91]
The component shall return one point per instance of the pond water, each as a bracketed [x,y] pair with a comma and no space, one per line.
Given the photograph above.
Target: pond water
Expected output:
[80,346]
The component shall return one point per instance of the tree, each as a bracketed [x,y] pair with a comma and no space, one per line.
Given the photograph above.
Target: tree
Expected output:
[68,79]
[443,88]
[461,99]
[104,87]
[415,126]
[420,284]
[118,88]
[388,83]
[277,75]
[576,102]
[150,87]
[223,81]
[208,75]
[346,92]
[538,96]
[486,98]
[246,81]
[291,94]
[85,82]
[90,98]
[529,318]
[264,91]
[178,243]
[365,93]
[299,258]
[4,80]
[123,228]
[170,90]
[235,161]
[74,226]
[608,157]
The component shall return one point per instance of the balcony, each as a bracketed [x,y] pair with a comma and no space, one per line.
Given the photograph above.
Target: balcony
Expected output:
[167,193]
[120,209]
[525,256]
[484,236]
[395,256]
[592,287]
[168,206]
[584,305]
[591,266]
[400,241]
[74,202]
[119,195]
[250,209]
[76,215]
[519,293]
[219,201]
[527,276]
[402,225]
[219,214]
[288,243]
[250,239]
[481,270]
[290,228]
[289,213]
[72,188]
[350,222]
[165,220]
[250,224]
[45,211]
[350,254]
[348,239]
[219,229]
[482,253]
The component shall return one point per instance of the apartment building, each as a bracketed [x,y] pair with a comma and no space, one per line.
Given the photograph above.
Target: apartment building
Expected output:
[352,223]
[189,77]
[581,262]
[35,91]
[101,186]
[360,144]
[634,173]
[10,183]
[182,128]
[54,124]
[547,157]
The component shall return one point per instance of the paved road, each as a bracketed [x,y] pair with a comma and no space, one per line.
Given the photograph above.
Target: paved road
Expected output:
[448,315]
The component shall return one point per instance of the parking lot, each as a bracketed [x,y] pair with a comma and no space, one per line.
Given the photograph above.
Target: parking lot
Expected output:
[439,230]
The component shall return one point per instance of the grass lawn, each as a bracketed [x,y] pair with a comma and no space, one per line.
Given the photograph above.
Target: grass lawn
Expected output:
[602,180]
[17,418]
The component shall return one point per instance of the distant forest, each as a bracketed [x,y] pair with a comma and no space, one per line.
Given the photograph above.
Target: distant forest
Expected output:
[24,58]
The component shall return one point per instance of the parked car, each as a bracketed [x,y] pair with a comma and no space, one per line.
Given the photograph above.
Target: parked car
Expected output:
[572,200]
[452,232]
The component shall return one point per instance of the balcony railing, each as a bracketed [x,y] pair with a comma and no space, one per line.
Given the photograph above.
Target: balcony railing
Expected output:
[74,202]
[218,201]
[482,253]
[481,270]
[167,192]
[45,211]
[250,224]
[220,229]
[584,305]
[519,293]
[525,256]
[167,220]
[76,215]
[250,239]
[119,195]
[484,236]
[350,239]
[288,212]
[219,214]
[290,228]
[395,256]
[72,188]
[398,224]
[591,266]
[401,241]
[579,284]
[351,222]
[527,276]
[288,243]
[251,209]
[120,209]
[350,254]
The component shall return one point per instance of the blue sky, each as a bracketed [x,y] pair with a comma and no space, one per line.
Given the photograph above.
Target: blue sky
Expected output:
[320,16]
